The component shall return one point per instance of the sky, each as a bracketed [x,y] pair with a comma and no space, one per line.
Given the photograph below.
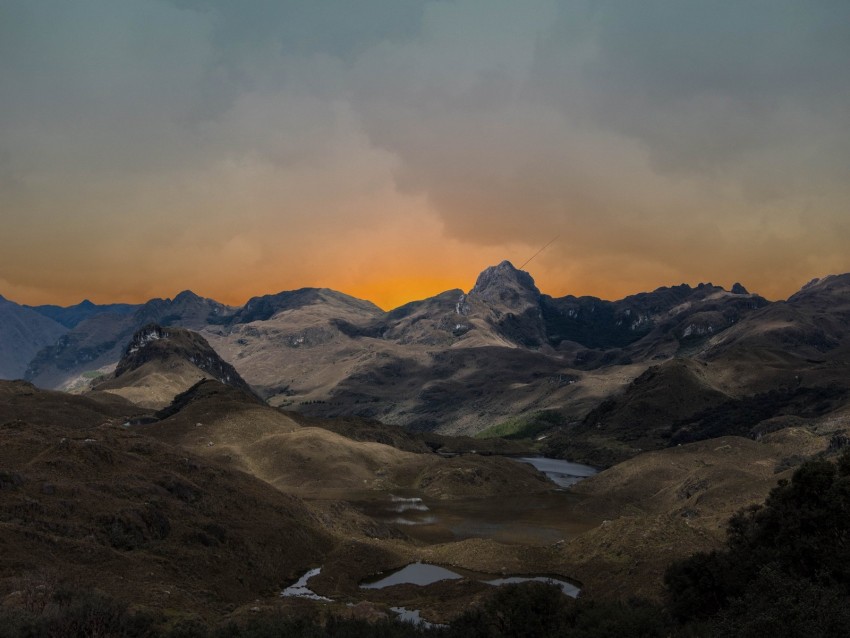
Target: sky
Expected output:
[393,149]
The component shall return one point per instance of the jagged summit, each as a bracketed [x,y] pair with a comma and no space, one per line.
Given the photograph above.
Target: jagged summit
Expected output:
[505,284]
[738,289]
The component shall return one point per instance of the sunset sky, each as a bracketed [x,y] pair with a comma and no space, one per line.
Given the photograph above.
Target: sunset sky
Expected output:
[392,149]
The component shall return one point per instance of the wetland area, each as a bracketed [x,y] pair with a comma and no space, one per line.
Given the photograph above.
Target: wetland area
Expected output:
[535,522]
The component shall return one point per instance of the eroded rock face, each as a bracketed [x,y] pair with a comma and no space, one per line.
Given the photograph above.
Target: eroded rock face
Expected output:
[143,337]
[504,284]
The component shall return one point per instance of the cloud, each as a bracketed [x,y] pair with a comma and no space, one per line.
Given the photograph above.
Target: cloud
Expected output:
[145,141]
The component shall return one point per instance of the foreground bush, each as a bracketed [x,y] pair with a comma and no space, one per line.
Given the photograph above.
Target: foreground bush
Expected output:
[785,570]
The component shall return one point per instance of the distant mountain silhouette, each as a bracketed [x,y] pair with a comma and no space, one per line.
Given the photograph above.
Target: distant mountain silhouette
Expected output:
[23,333]
[70,316]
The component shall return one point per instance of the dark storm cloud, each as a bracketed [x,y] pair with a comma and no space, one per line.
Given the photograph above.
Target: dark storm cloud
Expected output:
[706,84]
[759,90]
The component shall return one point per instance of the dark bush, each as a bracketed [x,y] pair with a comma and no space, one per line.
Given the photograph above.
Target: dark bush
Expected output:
[796,546]
[75,613]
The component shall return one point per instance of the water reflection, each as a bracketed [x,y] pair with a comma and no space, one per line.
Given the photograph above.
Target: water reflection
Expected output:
[423,574]
[299,588]
[567,588]
[414,574]
[562,473]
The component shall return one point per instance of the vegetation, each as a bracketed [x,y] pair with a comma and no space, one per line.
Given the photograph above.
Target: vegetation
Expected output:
[785,570]
[530,609]
[72,613]
[537,609]
[524,427]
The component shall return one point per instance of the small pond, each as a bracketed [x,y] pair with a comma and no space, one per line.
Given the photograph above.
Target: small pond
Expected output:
[299,588]
[568,588]
[414,574]
[562,473]
[423,574]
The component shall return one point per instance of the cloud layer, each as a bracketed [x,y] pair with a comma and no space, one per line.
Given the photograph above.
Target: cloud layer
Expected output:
[393,148]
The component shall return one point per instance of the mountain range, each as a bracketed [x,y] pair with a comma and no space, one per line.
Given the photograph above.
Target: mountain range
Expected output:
[676,364]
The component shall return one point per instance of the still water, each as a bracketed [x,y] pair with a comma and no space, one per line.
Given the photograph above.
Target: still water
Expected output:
[562,473]
[423,574]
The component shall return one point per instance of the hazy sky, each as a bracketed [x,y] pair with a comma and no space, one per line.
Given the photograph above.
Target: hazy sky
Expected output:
[392,149]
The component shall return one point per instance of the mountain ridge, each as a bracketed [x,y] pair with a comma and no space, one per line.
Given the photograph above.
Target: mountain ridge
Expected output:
[463,361]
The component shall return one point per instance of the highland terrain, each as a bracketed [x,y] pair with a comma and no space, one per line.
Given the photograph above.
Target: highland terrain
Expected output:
[194,459]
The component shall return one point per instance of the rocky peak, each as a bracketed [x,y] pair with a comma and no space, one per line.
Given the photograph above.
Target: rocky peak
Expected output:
[738,289]
[505,284]
[155,343]
[144,336]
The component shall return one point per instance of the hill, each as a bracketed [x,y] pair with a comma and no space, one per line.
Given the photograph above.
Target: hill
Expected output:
[227,425]
[160,363]
[88,503]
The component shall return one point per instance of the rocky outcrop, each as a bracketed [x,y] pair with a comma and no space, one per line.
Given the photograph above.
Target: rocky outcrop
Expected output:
[153,343]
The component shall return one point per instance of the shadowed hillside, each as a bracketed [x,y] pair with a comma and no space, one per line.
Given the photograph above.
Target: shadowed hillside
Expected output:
[128,514]
[23,333]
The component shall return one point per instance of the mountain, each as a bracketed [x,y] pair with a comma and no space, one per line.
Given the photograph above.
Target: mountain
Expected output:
[658,324]
[461,362]
[70,316]
[23,333]
[804,340]
[510,302]
[448,360]
[160,363]
[784,362]
[94,346]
